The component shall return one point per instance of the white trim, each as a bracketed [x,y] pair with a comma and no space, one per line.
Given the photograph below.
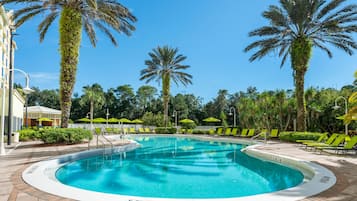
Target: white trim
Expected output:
[41,175]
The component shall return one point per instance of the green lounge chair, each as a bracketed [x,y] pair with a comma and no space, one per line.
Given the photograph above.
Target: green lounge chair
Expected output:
[228,131]
[211,131]
[251,133]
[339,140]
[321,138]
[189,131]
[141,130]
[219,131]
[147,130]
[347,147]
[244,132]
[328,141]
[263,133]
[97,131]
[274,133]
[132,130]
[234,131]
[125,130]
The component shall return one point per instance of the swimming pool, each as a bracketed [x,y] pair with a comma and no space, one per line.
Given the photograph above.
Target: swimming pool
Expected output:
[42,175]
[172,167]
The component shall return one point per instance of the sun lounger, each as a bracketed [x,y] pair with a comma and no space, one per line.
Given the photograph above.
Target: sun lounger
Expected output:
[274,133]
[219,131]
[244,132]
[228,131]
[132,130]
[339,140]
[347,147]
[328,141]
[147,130]
[141,130]
[251,133]
[234,131]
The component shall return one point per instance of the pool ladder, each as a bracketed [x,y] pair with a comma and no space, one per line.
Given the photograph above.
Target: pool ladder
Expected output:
[255,137]
[106,150]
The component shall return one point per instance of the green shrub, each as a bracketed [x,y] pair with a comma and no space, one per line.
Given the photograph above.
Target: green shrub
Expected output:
[29,134]
[64,135]
[293,136]
[188,125]
[165,130]
[200,132]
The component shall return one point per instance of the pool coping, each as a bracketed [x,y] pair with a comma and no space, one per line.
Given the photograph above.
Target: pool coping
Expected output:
[41,175]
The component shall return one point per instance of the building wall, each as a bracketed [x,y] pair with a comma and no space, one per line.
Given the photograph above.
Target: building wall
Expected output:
[18,101]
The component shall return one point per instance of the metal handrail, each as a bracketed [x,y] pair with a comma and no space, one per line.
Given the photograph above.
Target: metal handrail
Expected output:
[258,135]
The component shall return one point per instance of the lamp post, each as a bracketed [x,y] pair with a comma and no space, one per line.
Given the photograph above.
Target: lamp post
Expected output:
[346,109]
[234,115]
[174,114]
[27,90]
[107,114]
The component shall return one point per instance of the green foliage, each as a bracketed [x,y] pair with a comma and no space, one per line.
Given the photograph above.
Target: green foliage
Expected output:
[29,134]
[293,136]
[297,26]
[188,125]
[64,135]
[151,119]
[200,132]
[165,130]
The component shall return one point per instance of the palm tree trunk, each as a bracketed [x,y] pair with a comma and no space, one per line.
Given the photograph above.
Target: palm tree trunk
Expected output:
[166,96]
[300,56]
[91,114]
[70,28]
[300,101]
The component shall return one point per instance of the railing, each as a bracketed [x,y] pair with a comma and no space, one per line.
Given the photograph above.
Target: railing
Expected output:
[99,142]
[263,133]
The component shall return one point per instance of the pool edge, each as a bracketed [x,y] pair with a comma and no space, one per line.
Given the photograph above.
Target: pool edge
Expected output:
[321,177]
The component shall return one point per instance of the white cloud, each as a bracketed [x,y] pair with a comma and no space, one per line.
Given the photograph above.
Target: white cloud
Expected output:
[44,76]
[44,80]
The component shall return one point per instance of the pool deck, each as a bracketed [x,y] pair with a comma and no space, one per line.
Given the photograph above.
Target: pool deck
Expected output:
[13,188]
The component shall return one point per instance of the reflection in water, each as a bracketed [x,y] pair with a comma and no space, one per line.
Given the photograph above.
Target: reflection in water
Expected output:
[179,168]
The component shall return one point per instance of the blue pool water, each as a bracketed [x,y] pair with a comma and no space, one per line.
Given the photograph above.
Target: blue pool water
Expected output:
[170,167]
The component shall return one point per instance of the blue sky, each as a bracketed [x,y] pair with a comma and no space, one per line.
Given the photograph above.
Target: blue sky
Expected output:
[211,33]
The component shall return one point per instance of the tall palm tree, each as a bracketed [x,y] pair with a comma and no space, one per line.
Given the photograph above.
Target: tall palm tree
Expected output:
[75,15]
[3,17]
[296,27]
[165,65]
[93,95]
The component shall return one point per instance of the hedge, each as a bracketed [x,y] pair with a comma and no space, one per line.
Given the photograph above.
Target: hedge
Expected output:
[165,130]
[29,134]
[293,136]
[56,135]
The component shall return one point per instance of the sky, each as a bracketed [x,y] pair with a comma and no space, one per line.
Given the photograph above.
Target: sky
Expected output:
[211,33]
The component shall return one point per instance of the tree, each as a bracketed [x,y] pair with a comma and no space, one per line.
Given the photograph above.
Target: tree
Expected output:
[75,15]
[165,65]
[295,28]
[93,95]
[126,101]
[145,95]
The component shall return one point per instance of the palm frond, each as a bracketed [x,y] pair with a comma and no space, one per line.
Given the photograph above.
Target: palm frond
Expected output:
[45,24]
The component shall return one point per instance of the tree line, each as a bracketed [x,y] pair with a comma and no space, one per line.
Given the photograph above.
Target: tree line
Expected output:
[254,109]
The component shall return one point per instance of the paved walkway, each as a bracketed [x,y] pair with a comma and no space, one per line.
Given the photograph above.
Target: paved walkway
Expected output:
[13,188]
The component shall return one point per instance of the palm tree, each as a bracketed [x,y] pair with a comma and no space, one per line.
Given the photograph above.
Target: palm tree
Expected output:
[93,95]
[295,28]
[3,17]
[165,65]
[75,15]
